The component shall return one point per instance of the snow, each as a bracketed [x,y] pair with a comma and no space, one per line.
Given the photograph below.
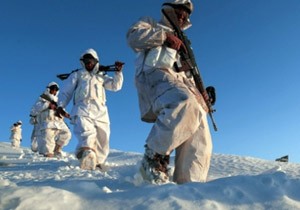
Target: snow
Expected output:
[29,181]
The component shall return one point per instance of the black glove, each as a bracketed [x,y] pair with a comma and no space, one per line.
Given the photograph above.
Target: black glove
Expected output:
[119,65]
[174,42]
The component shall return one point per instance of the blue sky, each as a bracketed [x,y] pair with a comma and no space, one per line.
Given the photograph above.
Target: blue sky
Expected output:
[248,49]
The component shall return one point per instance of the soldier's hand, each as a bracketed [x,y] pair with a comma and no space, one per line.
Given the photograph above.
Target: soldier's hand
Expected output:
[206,96]
[185,66]
[52,106]
[174,42]
[119,65]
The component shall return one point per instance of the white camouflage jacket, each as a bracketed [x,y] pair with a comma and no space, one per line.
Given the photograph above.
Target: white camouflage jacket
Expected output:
[88,92]
[44,116]
[16,132]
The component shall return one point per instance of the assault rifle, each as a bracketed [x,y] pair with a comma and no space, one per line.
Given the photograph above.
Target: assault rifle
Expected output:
[101,69]
[47,98]
[187,57]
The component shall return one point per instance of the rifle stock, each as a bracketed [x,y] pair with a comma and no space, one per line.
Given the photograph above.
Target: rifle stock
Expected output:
[189,58]
[66,75]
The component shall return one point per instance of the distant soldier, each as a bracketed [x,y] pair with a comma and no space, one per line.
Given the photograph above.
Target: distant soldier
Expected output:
[16,134]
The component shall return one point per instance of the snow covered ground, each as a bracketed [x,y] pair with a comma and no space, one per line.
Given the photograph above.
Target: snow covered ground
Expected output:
[28,181]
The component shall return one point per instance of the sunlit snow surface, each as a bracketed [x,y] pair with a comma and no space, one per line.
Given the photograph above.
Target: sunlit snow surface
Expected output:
[29,181]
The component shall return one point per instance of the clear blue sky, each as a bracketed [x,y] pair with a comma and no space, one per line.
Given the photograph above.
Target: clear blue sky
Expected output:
[248,49]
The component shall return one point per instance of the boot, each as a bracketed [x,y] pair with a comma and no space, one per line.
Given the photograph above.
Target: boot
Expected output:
[102,167]
[49,155]
[58,151]
[88,160]
[154,167]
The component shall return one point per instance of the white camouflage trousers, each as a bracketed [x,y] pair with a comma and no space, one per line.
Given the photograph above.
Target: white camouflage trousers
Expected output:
[49,137]
[15,142]
[92,134]
[181,125]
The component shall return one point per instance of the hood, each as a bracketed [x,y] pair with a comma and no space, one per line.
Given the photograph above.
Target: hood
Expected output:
[94,54]
[186,3]
[167,5]
[47,91]
[52,83]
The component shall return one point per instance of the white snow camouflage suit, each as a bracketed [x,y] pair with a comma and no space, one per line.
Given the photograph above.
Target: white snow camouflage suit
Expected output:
[16,135]
[89,112]
[50,129]
[171,101]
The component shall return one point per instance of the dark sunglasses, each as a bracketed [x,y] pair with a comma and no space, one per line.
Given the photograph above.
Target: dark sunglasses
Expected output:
[88,60]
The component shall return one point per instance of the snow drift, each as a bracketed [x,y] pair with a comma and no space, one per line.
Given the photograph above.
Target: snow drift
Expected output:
[29,181]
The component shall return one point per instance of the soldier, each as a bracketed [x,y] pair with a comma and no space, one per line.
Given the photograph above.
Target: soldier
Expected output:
[169,99]
[89,113]
[16,134]
[53,133]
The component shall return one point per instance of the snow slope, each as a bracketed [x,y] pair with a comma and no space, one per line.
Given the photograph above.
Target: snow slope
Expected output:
[28,181]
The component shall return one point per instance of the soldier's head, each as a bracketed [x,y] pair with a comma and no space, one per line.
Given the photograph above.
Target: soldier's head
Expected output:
[53,88]
[89,59]
[182,10]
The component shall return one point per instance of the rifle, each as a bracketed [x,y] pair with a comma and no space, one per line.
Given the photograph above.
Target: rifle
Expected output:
[47,98]
[108,68]
[101,69]
[66,75]
[189,58]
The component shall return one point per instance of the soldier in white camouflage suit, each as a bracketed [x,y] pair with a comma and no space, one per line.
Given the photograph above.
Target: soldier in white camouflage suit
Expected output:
[89,112]
[52,132]
[16,134]
[169,99]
